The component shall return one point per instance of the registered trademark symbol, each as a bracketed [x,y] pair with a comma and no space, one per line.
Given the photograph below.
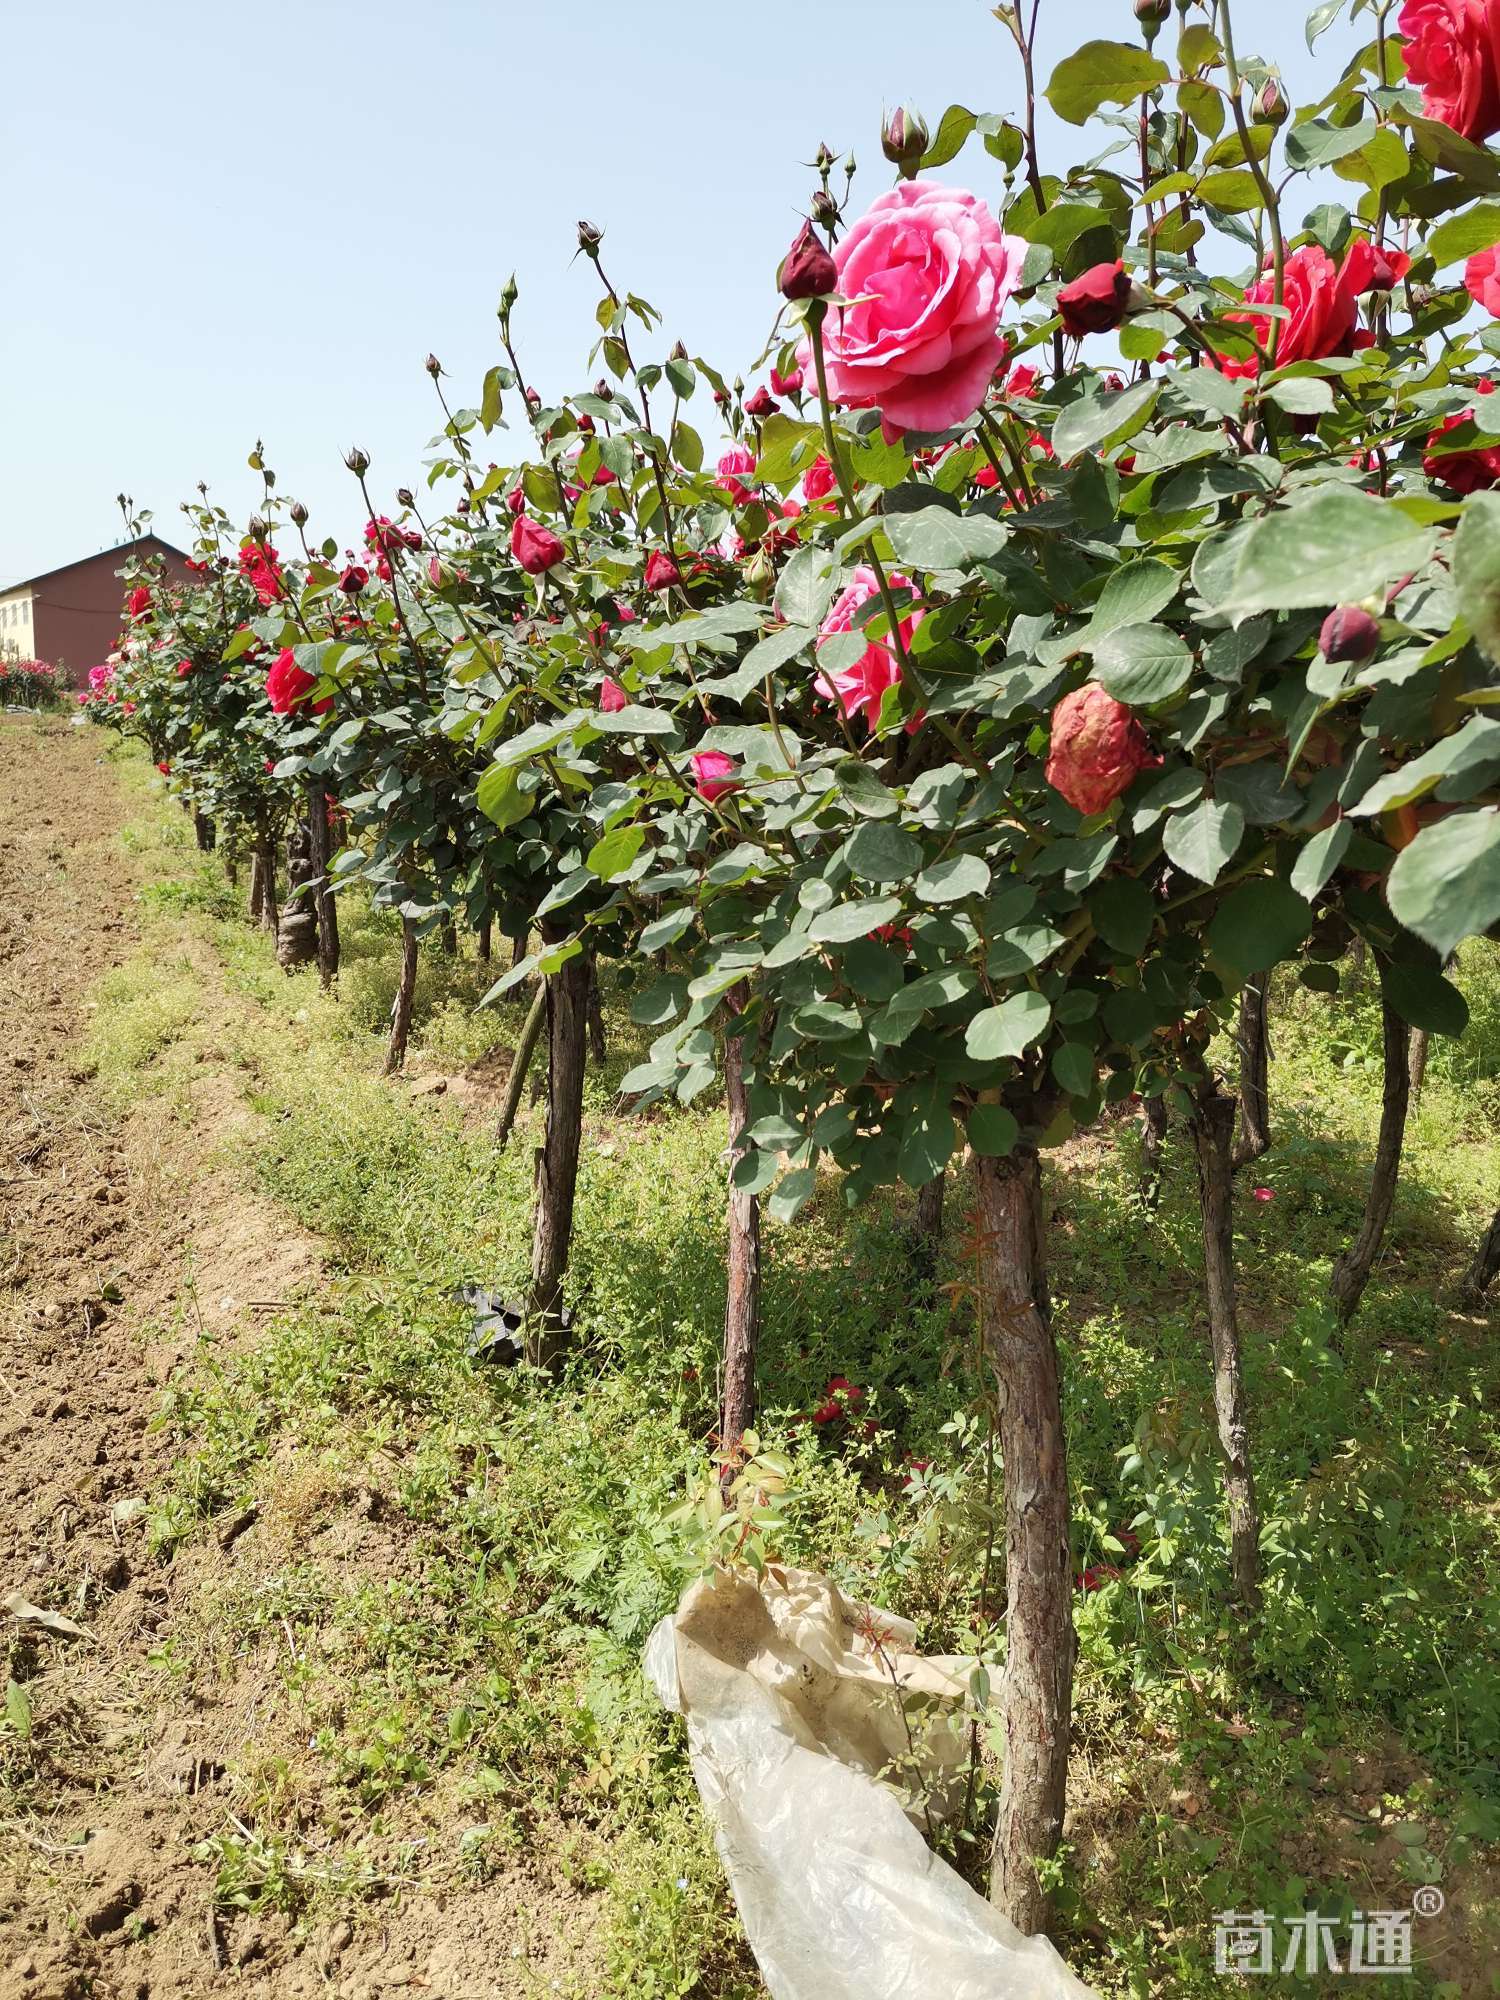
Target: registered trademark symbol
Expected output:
[1428,1900]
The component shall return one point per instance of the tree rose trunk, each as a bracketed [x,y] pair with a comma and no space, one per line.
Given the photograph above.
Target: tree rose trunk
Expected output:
[742,1303]
[265,854]
[598,1048]
[203,832]
[1153,1144]
[1482,1273]
[1352,1271]
[557,1159]
[1255,1063]
[485,934]
[1036,1688]
[406,990]
[515,1083]
[324,904]
[1416,1061]
[1213,1138]
[297,929]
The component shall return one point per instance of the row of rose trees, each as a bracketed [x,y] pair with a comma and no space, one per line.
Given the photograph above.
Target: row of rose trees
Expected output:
[1096,607]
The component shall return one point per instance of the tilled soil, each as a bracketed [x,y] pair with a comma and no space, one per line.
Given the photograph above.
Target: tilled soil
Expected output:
[113,1233]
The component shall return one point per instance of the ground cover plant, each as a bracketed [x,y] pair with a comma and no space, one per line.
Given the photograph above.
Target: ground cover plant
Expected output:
[1065,678]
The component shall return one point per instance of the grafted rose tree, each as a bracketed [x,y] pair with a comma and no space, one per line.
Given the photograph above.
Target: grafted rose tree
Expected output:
[1016,754]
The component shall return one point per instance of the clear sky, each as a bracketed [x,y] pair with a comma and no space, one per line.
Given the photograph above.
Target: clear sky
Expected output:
[224,223]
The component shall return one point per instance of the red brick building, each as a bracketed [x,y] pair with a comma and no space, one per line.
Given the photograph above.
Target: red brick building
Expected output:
[72,616]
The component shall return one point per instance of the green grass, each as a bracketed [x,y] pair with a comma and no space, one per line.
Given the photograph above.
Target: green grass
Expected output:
[476,1685]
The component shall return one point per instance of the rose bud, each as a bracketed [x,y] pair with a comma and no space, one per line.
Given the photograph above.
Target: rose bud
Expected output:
[534,547]
[1348,634]
[904,140]
[679,352]
[462,507]
[789,384]
[1270,106]
[298,513]
[762,404]
[353,580]
[661,571]
[357,461]
[825,210]
[1151,14]
[404,496]
[1097,748]
[433,366]
[612,697]
[1096,302]
[590,236]
[713,774]
[823,158]
[807,271]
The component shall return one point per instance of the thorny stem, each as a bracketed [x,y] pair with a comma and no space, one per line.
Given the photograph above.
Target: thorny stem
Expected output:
[655,453]
[1262,180]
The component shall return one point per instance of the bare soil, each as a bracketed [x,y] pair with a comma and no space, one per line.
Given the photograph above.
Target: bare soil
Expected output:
[119,1251]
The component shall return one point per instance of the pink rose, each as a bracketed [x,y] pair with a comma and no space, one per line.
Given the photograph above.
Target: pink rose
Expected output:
[1483,280]
[733,465]
[713,774]
[928,273]
[858,688]
[818,481]
[612,697]
[786,385]
[1264,1194]
[1097,748]
[534,547]
[1453,51]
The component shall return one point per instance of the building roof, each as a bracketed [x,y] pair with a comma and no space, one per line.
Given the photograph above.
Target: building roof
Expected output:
[121,549]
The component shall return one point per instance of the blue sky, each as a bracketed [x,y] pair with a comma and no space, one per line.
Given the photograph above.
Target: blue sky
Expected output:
[225,223]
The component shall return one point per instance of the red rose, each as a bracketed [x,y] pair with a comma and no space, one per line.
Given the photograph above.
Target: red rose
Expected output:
[1483,280]
[138,603]
[1452,50]
[1321,300]
[713,774]
[262,566]
[612,697]
[165,769]
[1096,302]
[534,547]
[353,579]
[1097,748]
[761,404]
[288,685]
[1469,471]
[661,571]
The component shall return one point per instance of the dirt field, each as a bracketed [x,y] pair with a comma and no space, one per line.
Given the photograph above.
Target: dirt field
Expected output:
[111,1230]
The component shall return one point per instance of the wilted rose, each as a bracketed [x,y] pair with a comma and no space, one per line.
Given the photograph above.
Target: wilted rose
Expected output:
[1097,748]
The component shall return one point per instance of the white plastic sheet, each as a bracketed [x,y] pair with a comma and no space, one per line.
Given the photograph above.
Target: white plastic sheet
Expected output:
[789,1691]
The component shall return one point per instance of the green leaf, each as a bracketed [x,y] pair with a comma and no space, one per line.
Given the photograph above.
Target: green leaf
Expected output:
[490,401]
[1124,913]
[1461,235]
[500,798]
[1102,73]
[788,447]
[1133,595]
[18,1709]
[1203,841]
[1233,193]
[1315,143]
[954,127]
[932,538]
[613,854]
[805,589]
[880,852]
[1445,886]
[633,720]
[795,1191]
[1021,948]
[1302,395]
[1335,548]
[1322,854]
[992,1130]
[1073,1064]
[1322,18]
[1006,1030]
[1094,423]
[1424,998]
[928,1137]
[1476,570]
[951,880]
[847,921]
[1258,924]
[1142,664]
